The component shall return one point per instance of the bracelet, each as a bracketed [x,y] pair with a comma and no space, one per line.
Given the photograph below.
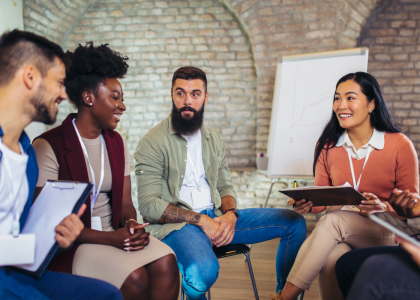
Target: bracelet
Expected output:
[130,220]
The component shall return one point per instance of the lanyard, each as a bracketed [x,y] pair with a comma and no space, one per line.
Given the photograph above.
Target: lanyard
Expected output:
[197,180]
[16,223]
[356,185]
[95,191]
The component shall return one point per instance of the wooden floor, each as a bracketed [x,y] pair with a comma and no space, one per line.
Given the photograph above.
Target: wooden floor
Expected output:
[235,283]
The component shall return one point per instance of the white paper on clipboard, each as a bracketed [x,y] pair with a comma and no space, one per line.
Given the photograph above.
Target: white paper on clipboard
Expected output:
[53,204]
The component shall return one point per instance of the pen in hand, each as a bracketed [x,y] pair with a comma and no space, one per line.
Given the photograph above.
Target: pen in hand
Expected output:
[294,186]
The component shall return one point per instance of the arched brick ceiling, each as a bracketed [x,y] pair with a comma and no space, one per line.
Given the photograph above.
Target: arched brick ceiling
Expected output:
[275,28]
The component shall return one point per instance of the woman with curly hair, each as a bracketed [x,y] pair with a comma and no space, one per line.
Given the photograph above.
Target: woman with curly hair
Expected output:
[113,247]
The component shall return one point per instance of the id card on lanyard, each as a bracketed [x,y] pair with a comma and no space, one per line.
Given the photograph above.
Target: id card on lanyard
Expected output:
[15,248]
[95,221]
[356,184]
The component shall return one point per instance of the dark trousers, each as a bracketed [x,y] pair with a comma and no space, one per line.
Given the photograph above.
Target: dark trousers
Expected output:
[53,285]
[378,273]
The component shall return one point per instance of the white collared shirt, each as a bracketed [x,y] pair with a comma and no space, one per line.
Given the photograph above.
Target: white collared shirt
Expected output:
[189,183]
[377,141]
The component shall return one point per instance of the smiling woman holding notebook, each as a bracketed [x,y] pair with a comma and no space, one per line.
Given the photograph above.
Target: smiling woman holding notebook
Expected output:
[361,145]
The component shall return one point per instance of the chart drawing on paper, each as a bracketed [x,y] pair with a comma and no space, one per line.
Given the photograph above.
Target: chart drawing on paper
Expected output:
[311,105]
[303,116]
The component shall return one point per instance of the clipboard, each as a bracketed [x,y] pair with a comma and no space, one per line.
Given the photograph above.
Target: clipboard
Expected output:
[326,195]
[57,200]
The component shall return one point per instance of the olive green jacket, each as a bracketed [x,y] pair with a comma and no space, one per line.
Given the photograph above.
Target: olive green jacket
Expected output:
[161,160]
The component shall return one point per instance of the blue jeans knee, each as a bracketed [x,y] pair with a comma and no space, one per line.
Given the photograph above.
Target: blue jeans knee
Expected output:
[198,280]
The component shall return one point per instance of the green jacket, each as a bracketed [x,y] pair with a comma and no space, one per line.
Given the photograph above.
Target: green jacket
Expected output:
[161,160]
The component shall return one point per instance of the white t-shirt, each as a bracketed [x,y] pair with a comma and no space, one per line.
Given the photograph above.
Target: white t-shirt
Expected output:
[14,188]
[189,184]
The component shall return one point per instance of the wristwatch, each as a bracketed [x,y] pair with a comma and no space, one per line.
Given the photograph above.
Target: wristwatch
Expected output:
[232,210]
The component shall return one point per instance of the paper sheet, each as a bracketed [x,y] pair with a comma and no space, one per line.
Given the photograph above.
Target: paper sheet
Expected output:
[50,208]
[321,187]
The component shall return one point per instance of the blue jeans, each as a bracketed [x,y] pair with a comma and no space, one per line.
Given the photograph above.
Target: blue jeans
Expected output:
[199,265]
[52,285]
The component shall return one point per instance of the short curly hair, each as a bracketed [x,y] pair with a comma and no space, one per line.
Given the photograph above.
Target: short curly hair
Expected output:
[89,67]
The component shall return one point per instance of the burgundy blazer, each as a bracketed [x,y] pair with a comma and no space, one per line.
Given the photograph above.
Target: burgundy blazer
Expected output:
[65,143]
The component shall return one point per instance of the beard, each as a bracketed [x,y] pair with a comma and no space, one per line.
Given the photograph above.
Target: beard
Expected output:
[43,113]
[187,126]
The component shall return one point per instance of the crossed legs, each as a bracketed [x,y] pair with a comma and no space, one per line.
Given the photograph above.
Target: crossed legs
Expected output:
[335,233]
[199,265]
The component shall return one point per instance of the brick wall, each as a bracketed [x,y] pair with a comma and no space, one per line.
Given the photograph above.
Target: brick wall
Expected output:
[283,27]
[161,36]
[393,37]
[227,38]
[238,43]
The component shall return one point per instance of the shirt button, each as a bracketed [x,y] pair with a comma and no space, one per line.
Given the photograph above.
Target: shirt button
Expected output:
[141,172]
[182,176]
[185,160]
[186,146]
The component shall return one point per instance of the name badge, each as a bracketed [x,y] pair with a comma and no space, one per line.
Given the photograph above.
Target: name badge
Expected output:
[201,198]
[19,250]
[96,223]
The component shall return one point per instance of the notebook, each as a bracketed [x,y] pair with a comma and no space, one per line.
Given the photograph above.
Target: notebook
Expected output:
[326,195]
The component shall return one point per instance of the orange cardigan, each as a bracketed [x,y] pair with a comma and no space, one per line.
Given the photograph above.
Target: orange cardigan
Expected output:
[395,166]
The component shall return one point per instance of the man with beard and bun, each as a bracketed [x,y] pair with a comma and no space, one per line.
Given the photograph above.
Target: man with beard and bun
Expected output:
[32,75]
[185,192]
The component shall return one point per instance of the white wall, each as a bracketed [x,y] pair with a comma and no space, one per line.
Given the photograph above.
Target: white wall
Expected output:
[11,14]
[11,17]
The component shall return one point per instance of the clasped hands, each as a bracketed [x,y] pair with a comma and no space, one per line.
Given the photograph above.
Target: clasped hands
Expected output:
[131,237]
[219,230]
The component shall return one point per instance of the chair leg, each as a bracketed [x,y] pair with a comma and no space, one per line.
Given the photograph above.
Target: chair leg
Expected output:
[208,295]
[251,273]
[301,296]
[249,245]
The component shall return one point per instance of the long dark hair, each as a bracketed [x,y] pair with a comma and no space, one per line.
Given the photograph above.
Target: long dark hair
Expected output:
[380,118]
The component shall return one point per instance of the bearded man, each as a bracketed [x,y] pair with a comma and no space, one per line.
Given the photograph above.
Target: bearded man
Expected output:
[185,192]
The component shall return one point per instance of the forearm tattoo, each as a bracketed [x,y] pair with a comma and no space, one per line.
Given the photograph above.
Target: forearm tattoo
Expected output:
[174,214]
